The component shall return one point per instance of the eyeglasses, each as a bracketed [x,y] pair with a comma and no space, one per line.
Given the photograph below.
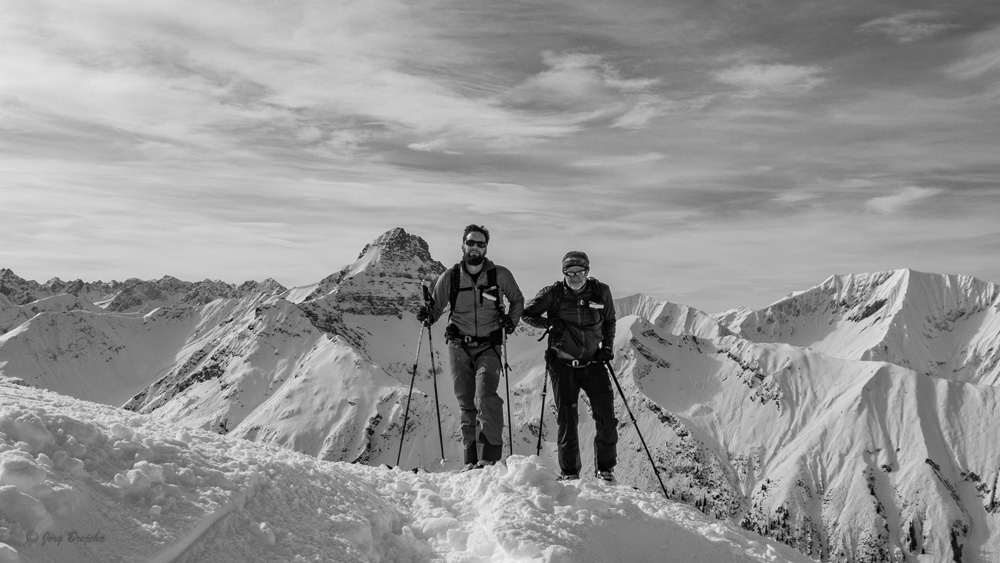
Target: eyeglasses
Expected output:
[576,273]
[475,243]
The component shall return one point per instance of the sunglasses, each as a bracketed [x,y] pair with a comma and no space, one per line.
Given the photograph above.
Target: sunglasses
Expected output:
[475,243]
[576,273]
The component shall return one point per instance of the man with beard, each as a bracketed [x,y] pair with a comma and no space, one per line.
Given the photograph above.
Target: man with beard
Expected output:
[579,313]
[473,289]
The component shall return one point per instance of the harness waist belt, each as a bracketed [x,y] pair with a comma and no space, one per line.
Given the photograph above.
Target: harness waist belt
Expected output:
[452,333]
[473,339]
[573,363]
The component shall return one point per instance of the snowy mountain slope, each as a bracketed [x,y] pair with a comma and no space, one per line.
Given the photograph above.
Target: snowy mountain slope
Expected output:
[83,482]
[942,325]
[780,420]
[60,303]
[678,319]
[300,375]
[105,357]
[845,460]
[313,375]
[11,315]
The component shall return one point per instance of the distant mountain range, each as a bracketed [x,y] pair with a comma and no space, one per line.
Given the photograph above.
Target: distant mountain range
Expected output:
[855,421]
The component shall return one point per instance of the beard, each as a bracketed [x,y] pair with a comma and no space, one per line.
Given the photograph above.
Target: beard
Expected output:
[576,285]
[474,260]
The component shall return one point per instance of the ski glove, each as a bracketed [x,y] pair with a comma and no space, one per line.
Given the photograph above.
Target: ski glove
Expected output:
[556,326]
[506,324]
[424,315]
[604,355]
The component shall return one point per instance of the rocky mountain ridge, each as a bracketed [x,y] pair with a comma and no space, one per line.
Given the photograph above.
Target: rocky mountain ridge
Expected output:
[131,296]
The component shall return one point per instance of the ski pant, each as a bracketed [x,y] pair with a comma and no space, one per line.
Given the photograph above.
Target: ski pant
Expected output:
[475,371]
[594,380]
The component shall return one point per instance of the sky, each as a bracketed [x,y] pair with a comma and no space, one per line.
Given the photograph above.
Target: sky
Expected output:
[714,154]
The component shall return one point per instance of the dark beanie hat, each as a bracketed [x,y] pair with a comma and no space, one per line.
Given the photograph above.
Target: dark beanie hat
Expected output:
[575,258]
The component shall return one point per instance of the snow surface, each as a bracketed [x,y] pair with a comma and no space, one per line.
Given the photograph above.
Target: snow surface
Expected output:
[85,482]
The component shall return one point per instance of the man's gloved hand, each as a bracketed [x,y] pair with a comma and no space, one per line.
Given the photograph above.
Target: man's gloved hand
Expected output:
[557,326]
[506,324]
[604,355]
[424,315]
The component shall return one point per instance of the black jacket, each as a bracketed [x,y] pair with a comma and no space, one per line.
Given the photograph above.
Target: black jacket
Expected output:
[589,316]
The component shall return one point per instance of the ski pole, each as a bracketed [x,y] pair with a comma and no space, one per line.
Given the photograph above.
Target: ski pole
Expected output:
[541,417]
[406,416]
[506,374]
[637,431]
[437,405]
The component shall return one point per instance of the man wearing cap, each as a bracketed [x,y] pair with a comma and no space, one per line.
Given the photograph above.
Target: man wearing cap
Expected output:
[579,313]
[473,290]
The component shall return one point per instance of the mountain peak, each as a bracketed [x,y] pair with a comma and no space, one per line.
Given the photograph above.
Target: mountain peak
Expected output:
[395,247]
[395,253]
[17,289]
[384,280]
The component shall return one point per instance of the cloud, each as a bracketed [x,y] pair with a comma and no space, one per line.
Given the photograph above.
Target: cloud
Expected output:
[908,27]
[892,204]
[584,87]
[614,161]
[780,79]
[982,56]
[222,78]
[437,145]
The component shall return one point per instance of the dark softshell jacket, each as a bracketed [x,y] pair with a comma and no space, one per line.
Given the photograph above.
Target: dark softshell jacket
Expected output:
[589,316]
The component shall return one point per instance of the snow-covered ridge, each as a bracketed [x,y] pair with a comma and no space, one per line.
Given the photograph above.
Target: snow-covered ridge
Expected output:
[812,421]
[678,319]
[942,325]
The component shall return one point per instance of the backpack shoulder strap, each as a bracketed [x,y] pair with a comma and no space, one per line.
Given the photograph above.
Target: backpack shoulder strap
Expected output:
[596,299]
[456,280]
[492,288]
[557,295]
[556,298]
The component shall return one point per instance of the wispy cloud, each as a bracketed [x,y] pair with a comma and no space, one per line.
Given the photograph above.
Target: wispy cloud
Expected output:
[778,79]
[585,87]
[982,57]
[613,161]
[909,26]
[437,145]
[897,202]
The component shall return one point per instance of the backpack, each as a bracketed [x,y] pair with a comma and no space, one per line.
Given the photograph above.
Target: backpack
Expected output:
[491,291]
